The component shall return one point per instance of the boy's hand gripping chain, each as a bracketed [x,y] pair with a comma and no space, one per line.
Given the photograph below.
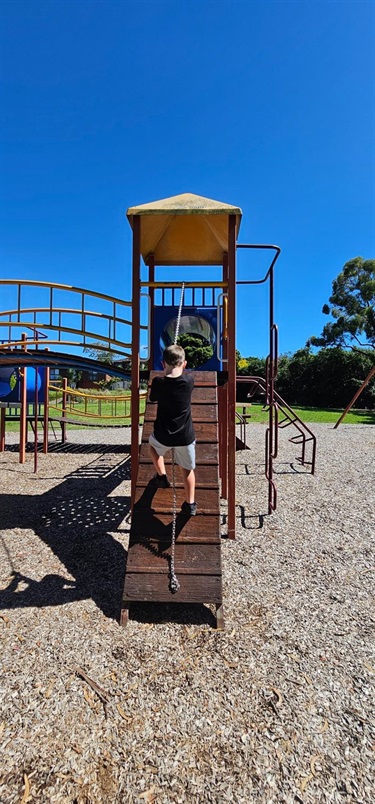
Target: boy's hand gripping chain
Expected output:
[173,582]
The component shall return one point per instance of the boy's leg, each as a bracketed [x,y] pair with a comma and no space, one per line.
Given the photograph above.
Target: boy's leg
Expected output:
[188,476]
[158,461]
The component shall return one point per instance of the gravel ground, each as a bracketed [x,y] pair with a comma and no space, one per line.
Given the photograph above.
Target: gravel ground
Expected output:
[277,708]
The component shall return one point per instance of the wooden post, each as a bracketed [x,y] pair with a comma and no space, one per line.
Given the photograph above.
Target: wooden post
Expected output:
[136,264]
[220,617]
[151,278]
[232,377]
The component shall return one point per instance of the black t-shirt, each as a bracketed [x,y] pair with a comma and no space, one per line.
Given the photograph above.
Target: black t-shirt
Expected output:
[173,424]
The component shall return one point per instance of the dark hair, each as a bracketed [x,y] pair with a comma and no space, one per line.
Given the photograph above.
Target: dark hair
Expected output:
[174,355]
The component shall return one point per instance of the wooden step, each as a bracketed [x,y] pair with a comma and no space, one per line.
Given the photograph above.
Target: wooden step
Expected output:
[205,475]
[155,587]
[162,499]
[200,412]
[201,378]
[190,559]
[204,454]
[202,528]
[206,432]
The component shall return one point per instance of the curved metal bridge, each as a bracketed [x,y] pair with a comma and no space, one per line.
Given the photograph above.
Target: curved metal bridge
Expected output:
[41,315]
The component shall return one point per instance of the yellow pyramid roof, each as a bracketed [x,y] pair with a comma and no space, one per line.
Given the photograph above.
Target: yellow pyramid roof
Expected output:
[185,229]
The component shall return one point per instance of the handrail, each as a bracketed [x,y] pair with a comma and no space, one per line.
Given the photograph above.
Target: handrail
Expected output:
[290,418]
[79,319]
[58,286]
[67,395]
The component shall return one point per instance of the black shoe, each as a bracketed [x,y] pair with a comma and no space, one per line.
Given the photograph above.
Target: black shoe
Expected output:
[161,481]
[189,509]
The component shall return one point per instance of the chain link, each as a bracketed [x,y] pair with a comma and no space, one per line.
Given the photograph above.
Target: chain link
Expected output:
[173,581]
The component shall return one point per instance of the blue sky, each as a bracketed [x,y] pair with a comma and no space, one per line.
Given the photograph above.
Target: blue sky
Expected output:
[265,105]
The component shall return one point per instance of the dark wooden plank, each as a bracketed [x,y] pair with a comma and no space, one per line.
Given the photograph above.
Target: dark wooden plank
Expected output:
[154,587]
[207,432]
[145,523]
[206,395]
[200,413]
[197,549]
[199,376]
[190,559]
[201,395]
[204,453]
[162,499]
[207,475]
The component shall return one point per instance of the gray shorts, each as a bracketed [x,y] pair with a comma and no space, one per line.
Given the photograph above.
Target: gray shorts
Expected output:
[184,456]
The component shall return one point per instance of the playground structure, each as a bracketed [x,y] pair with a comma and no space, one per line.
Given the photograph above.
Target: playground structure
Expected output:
[185,230]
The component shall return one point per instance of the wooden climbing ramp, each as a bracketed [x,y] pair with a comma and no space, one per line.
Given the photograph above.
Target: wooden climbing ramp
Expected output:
[197,553]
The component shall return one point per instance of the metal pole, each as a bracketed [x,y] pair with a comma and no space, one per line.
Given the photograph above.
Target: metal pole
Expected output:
[36,337]
[2,426]
[46,408]
[64,410]
[36,420]
[23,411]
[223,402]
[355,397]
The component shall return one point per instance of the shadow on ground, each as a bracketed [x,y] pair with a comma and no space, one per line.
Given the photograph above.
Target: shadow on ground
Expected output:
[77,520]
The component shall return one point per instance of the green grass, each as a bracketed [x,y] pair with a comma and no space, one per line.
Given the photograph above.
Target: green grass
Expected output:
[75,414]
[311,415]
[257,414]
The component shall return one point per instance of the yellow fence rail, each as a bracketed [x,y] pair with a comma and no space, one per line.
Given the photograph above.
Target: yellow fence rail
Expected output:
[90,406]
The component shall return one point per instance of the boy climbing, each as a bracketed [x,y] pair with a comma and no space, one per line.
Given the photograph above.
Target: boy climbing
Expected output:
[173,427]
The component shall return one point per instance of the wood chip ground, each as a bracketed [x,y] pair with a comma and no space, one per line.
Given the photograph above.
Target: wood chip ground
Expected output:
[278,708]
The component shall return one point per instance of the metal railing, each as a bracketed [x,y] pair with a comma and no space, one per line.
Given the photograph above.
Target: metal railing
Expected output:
[304,435]
[104,329]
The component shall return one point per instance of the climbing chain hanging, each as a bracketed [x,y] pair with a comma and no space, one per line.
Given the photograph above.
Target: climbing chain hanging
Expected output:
[173,582]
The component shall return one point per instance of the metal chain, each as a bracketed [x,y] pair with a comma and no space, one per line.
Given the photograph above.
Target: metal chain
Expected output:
[173,581]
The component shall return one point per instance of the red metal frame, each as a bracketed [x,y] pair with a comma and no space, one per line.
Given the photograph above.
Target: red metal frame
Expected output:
[226,392]
[271,443]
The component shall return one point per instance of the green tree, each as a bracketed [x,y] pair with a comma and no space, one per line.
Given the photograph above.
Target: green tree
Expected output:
[352,306]
[197,349]
[99,351]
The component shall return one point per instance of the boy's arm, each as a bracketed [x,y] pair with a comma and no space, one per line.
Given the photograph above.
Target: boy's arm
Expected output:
[154,390]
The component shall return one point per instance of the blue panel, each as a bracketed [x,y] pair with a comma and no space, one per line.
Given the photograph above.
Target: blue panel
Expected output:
[7,394]
[195,320]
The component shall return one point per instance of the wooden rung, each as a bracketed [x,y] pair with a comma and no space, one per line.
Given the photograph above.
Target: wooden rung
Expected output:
[162,499]
[190,559]
[199,377]
[204,476]
[204,454]
[193,588]
[200,413]
[207,432]
[197,547]
[159,527]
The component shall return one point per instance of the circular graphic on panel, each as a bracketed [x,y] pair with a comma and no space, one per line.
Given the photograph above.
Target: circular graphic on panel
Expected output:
[8,380]
[196,336]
